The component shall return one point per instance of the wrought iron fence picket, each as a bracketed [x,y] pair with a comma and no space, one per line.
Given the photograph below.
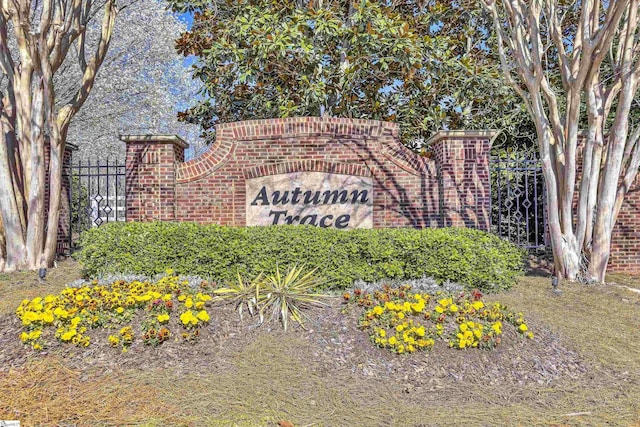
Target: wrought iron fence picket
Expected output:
[96,195]
[518,201]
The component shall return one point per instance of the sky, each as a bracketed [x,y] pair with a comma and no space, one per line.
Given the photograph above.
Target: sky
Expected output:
[188,18]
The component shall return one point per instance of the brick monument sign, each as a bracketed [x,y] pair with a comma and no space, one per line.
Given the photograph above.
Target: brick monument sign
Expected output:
[327,172]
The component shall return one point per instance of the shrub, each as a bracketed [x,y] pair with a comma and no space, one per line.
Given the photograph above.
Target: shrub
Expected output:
[470,257]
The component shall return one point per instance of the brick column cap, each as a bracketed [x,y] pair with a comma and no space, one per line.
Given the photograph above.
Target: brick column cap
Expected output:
[154,139]
[71,147]
[462,134]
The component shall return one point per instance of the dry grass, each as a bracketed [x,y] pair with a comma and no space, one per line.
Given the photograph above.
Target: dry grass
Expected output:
[46,392]
[601,322]
[269,384]
[277,379]
[15,287]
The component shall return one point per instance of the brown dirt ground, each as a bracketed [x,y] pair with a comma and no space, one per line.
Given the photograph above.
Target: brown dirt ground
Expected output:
[582,368]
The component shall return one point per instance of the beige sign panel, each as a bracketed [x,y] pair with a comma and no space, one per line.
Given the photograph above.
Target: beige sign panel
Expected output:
[314,198]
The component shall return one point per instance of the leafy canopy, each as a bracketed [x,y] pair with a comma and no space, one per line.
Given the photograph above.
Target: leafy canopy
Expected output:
[426,67]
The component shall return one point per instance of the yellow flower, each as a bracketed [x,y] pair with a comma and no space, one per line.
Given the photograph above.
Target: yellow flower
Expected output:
[463,327]
[37,347]
[406,307]
[113,340]
[182,298]
[418,307]
[399,328]
[420,331]
[200,296]
[199,305]
[530,335]
[24,337]
[497,327]
[378,310]
[28,317]
[453,308]
[445,302]
[119,310]
[167,297]
[392,340]
[401,349]
[163,318]
[69,335]
[203,315]
[47,316]
[382,333]
[477,305]
[187,318]
[439,309]
[400,315]
[523,328]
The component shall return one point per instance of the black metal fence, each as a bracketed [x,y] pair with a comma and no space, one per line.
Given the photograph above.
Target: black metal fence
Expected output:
[518,201]
[96,195]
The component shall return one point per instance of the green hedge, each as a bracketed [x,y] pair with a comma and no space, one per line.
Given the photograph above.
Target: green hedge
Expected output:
[470,257]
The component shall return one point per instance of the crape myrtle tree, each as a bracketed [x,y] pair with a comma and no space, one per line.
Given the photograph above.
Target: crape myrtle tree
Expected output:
[142,85]
[36,36]
[425,65]
[576,66]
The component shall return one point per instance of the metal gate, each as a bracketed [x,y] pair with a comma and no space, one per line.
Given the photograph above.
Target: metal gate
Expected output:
[96,195]
[518,199]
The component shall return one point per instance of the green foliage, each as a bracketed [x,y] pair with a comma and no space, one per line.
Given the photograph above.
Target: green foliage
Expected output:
[240,292]
[470,257]
[425,65]
[289,294]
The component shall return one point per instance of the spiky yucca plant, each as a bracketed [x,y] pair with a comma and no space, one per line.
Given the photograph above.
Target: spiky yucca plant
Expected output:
[289,294]
[241,293]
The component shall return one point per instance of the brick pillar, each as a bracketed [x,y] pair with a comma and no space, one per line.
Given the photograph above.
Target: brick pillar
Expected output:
[462,159]
[151,176]
[63,243]
[64,221]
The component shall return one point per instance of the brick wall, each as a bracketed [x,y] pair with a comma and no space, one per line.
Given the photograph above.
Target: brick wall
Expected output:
[449,189]
[625,241]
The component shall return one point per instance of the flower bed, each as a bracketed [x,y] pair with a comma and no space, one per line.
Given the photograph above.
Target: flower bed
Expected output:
[398,319]
[163,308]
[405,321]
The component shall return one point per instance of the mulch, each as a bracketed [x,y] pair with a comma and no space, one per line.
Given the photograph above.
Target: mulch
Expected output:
[331,342]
